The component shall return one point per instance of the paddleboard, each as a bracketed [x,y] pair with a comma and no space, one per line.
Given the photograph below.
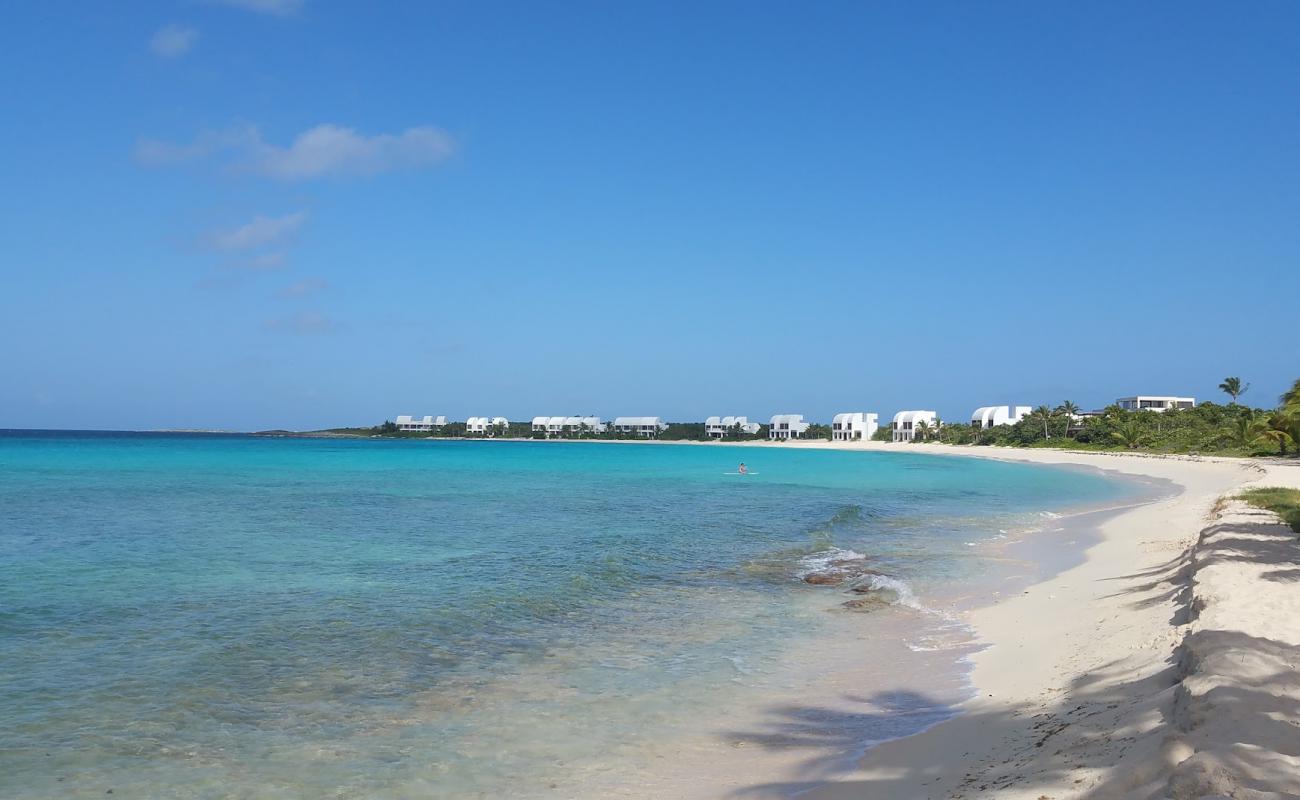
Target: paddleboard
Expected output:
[740,473]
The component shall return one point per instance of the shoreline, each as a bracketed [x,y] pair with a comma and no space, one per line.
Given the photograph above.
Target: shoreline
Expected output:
[1077,678]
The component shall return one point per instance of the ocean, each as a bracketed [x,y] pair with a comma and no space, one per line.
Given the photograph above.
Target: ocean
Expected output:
[206,616]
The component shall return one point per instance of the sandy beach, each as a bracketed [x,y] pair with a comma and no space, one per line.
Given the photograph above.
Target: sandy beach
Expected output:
[1162,666]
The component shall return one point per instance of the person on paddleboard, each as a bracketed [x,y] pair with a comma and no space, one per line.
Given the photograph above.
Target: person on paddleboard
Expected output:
[742,469]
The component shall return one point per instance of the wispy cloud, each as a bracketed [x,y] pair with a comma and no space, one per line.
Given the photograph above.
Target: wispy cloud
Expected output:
[303,288]
[278,8]
[304,323]
[322,151]
[333,150]
[261,232]
[263,262]
[157,153]
[173,41]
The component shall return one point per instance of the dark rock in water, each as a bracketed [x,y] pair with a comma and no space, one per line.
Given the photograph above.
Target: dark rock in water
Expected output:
[828,578]
[869,603]
[838,572]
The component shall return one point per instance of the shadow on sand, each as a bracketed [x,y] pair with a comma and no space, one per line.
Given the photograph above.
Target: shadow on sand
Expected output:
[1078,739]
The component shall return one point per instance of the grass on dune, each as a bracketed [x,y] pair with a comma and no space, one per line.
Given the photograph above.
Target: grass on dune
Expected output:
[1283,502]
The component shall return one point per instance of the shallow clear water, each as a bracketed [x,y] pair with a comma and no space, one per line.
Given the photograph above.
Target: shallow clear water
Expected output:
[212,616]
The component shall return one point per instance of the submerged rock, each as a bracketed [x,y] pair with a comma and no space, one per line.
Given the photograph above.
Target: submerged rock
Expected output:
[827,578]
[833,571]
[868,603]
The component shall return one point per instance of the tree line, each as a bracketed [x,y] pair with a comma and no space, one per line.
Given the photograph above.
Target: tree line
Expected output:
[1230,429]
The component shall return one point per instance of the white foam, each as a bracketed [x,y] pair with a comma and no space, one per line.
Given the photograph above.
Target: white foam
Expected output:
[823,559]
[902,591]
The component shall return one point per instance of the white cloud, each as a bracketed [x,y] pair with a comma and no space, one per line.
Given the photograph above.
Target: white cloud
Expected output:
[333,150]
[279,8]
[325,150]
[261,232]
[173,41]
[303,288]
[303,323]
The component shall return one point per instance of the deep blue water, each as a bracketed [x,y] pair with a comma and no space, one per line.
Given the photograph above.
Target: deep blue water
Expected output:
[210,616]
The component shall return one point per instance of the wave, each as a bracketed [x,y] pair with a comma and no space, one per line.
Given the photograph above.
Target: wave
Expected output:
[889,590]
[833,560]
[847,569]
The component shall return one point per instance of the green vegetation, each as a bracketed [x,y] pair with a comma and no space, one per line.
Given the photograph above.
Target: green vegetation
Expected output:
[1283,502]
[818,431]
[1209,428]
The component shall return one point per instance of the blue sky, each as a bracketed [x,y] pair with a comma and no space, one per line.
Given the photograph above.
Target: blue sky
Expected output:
[265,213]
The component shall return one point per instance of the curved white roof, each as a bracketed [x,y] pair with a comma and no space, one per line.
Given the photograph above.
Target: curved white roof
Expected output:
[637,421]
[999,414]
[727,422]
[777,419]
[500,421]
[915,416]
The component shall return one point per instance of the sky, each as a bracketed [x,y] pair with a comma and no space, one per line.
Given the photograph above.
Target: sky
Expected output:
[248,214]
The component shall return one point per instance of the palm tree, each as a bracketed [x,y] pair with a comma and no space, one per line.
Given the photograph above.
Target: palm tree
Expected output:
[1246,429]
[1130,433]
[1287,417]
[1045,414]
[1067,410]
[1289,402]
[922,431]
[1233,388]
[1276,433]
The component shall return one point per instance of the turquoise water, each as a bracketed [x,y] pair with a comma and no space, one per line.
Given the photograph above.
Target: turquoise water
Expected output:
[213,616]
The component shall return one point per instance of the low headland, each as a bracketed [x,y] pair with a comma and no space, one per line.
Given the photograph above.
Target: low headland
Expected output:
[1208,428]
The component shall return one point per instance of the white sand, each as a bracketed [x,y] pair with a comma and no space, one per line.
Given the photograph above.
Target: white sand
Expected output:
[1163,666]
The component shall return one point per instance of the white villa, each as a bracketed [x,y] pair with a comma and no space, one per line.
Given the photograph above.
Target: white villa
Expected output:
[717,427]
[485,425]
[988,416]
[786,426]
[1149,403]
[854,425]
[905,423]
[405,422]
[649,427]
[567,426]
[574,425]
